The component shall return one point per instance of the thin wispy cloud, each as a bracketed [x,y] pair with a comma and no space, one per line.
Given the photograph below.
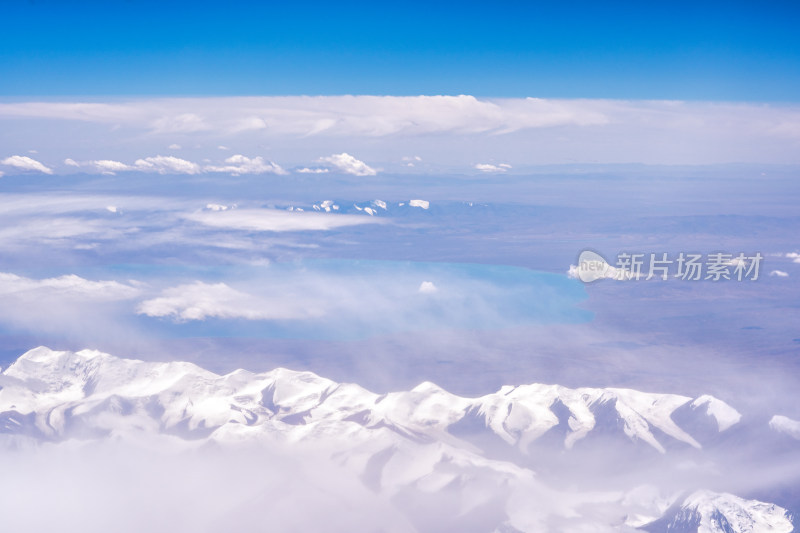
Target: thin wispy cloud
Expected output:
[200,301]
[329,115]
[59,230]
[67,285]
[180,123]
[66,305]
[235,165]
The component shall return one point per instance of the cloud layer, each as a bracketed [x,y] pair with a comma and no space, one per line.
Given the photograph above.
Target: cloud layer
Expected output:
[330,115]
[299,131]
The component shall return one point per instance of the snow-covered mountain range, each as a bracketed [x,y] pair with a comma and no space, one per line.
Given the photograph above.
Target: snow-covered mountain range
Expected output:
[484,453]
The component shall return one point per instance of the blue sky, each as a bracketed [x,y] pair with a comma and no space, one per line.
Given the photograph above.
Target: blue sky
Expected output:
[715,51]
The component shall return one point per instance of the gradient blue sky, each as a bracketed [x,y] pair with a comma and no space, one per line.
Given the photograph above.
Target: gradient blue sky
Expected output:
[736,51]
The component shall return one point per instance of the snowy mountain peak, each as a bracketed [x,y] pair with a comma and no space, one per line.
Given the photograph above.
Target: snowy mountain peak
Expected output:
[708,512]
[725,415]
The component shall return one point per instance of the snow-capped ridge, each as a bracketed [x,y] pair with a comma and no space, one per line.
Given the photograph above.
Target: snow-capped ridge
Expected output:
[395,443]
[180,394]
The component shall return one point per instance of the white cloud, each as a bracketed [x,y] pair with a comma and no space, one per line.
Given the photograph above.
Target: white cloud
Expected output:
[174,146]
[69,285]
[779,273]
[277,220]
[427,287]
[349,164]
[47,205]
[199,301]
[424,204]
[57,230]
[306,170]
[107,166]
[488,167]
[239,164]
[25,163]
[1,174]
[794,256]
[167,164]
[71,162]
